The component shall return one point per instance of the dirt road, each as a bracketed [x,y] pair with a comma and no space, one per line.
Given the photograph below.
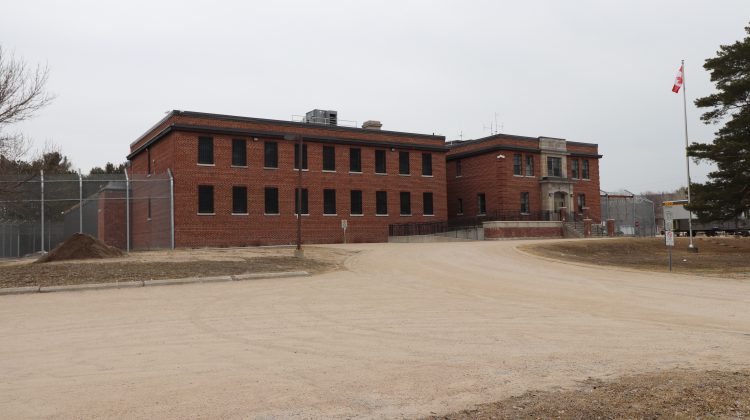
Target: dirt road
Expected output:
[407,330]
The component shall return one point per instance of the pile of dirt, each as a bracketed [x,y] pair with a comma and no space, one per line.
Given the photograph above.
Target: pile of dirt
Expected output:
[81,247]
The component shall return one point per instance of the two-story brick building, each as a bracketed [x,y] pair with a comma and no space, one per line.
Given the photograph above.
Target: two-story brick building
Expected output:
[505,177]
[235,180]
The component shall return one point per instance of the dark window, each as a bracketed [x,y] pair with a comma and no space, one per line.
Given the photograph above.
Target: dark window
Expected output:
[380,161]
[239,152]
[148,156]
[460,206]
[574,168]
[458,167]
[585,169]
[403,163]
[524,202]
[206,150]
[554,166]
[272,200]
[205,199]
[529,165]
[381,203]
[405,203]
[296,156]
[581,202]
[329,201]
[305,208]
[239,200]
[356,199]
[329,158]
[481,204]
[517,163]
[270,154]
[427,164]
[427,208]
[355,160]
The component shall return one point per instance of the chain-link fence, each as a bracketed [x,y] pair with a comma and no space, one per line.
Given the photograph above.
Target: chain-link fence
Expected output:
[633,214]
[38,212]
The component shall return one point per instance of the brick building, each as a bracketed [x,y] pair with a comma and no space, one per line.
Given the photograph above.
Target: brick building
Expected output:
[235,180]
[505,177]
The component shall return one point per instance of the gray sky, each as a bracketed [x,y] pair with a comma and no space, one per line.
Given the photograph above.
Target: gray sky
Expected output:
[586,70]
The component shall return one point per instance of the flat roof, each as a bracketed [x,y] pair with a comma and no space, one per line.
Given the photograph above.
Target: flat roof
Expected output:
[461,143]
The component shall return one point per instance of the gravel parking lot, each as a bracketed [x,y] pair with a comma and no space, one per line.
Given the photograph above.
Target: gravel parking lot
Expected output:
[405,330]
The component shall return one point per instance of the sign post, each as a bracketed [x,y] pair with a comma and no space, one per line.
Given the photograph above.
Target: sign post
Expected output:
[344,225]
[669,237]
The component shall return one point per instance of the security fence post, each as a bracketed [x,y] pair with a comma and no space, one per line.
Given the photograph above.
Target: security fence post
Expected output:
[42,204]
[80,202]
[127,211]
[171,207]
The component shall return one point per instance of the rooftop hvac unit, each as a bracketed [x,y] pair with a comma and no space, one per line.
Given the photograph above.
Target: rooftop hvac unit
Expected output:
[319,116]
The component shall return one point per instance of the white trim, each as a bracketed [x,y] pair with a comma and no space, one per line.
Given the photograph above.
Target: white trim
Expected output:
[381,215]
[428,176]
[409,174]
[238,166]
[459,176]
[328,171]
[330,215]
[240,214]
[356,215]
[206,164]
[303,169]
[429,215]
[381,173]
[459,214]
[206,214]
[272,214]
[303,214]
[355,172]
[271,167]
[518,176]
[406,215]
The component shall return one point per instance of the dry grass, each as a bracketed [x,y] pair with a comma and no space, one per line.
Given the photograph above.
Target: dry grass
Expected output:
[154,265]
[726,257]
[670,394]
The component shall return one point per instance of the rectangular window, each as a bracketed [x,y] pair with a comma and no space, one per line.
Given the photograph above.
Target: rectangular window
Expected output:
[381,203]
[380,162]
[355,160]
[356,202]
[403,163]
[206,150]
[239,152]
[329,158]
[524,202]
[405,203]
[517,164]
[296,156]
[329,201]
[427,208]
[460,207]
[427,164]
[529,165]
[305,208]
[481,204]
[554,166]
[581,202]
[585,169]
[272,200]
[205,199]
[574,168]
[239,200]
[270,154]
[458,167]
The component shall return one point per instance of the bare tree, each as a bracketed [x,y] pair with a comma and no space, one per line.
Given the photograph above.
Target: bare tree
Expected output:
[22,93]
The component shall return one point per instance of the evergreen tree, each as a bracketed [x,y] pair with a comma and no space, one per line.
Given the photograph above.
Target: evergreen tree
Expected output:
[726,195]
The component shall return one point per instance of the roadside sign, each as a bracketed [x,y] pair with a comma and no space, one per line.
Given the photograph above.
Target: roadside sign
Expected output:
[669,236]
[668,220]
[344,224]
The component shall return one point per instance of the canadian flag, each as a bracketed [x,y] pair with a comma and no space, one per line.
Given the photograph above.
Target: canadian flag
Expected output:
[678,81]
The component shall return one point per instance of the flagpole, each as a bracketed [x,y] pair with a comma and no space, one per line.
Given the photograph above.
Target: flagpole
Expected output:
[687,157]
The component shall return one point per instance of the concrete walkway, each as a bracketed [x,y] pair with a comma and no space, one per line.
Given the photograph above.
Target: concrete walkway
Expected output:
[408,330]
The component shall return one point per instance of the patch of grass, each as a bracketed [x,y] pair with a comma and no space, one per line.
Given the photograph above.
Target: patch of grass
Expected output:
[729,257]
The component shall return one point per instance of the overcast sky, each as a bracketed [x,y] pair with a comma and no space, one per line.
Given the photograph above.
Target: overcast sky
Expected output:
[586,70]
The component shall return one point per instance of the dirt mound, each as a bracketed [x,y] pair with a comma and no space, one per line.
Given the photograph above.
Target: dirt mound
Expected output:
[81,247]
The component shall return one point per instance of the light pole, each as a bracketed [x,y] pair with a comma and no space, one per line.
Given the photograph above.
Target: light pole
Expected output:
[298,251]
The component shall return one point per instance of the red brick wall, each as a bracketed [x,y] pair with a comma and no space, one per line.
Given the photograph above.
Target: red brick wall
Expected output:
[224,229]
